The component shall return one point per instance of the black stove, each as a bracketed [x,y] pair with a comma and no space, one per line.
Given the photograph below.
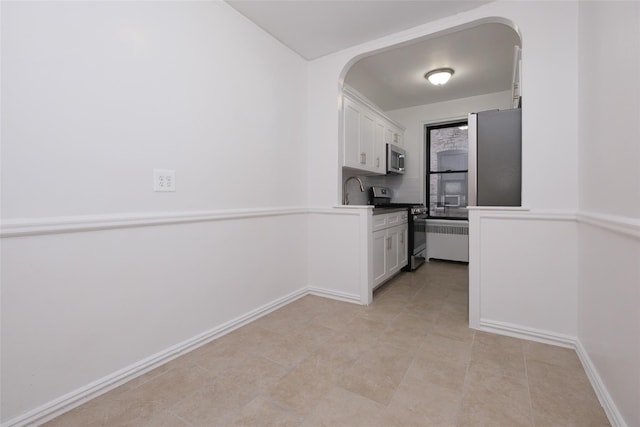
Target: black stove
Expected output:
[380,197]
[414,208]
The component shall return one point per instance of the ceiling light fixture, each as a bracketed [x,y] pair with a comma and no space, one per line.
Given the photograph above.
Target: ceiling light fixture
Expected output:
[439,76]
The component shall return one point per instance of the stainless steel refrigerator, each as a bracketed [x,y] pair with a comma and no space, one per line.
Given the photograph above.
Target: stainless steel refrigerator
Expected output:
[495,158]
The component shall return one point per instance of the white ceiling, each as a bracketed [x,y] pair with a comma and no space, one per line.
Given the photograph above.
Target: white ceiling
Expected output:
[482,57]
[315,28]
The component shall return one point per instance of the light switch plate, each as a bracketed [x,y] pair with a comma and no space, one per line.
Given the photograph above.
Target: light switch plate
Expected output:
[164,180]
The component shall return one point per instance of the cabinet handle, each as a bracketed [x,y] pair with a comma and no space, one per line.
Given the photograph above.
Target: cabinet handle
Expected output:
[389,243]
[363,158]
[402,238]
[377,162]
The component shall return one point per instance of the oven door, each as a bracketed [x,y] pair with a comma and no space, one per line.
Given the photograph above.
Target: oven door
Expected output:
[418,241]
[419,235]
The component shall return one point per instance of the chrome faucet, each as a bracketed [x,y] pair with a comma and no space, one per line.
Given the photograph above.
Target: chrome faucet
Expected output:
[345,194]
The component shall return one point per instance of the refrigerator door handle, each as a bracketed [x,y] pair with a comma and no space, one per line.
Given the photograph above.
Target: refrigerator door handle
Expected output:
[472,179]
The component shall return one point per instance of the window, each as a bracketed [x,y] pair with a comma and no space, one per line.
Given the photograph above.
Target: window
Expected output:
[447,153]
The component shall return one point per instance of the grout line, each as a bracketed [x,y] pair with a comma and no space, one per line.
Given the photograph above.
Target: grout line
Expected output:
[526,375]
[465,384]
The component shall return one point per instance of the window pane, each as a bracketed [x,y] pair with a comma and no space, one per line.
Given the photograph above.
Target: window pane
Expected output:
[448,149]
[448,195]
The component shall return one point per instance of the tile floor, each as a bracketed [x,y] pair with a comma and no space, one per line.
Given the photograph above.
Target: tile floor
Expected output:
[409,359]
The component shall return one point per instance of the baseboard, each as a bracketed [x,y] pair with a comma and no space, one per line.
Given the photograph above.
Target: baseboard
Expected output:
[340,296]
[610,408]
[77,397]
[530,334]
[546,337]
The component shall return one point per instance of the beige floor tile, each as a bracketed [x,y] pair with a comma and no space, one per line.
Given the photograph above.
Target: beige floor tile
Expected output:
[133,412]
[436,348]
[165,419]
[453,328]
[302,388]
[348,344]
[284,321]
[169,387]
[416,403]
[553,355]
[225,395]
[337,319]
[377,373]
[406,331]
[384,311]
[262,412]
[493,399]
[361,327]
[441,373]
[563,396]
[286,349]
[340,407]
[222,354]
[495,353]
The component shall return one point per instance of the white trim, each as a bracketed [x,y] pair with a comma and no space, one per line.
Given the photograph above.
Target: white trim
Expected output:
[618,224]
[340,210]
[529,216]
[526,333]
[92,390]
[336,295]
[607,402]
[480,213]
[69,224]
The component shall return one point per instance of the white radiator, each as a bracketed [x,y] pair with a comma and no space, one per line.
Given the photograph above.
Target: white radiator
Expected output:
[448,240]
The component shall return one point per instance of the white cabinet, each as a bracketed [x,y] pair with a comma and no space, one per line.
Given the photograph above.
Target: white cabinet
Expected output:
[362,140]
[389,239]
[393,135]
[366,132]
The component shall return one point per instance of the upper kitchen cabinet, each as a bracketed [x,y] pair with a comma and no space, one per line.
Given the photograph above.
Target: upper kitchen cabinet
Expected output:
[360,138]
[394,135]
[366,133]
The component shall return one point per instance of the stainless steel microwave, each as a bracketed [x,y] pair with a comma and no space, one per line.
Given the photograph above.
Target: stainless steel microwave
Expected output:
[395,159]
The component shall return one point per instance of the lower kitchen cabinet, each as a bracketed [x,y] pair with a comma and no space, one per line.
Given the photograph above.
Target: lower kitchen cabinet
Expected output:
[389,240]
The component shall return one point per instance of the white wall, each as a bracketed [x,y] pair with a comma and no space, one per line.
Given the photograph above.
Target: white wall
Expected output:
[98,94]
[412,187]
[609,171]
[94,96]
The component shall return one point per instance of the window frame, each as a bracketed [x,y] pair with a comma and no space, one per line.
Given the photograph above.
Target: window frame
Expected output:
[428,172]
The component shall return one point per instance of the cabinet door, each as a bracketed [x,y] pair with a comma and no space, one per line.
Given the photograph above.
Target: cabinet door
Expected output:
[367,139]
[388,135]
[398,137]
[351,123]
[391,250]
[379,254]
[379,152]
[403,245]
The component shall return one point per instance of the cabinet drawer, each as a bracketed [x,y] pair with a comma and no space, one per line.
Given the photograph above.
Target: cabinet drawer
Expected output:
[382,221]
[379,222]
